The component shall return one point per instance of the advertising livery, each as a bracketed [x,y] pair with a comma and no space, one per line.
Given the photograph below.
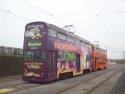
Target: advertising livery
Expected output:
[51,53]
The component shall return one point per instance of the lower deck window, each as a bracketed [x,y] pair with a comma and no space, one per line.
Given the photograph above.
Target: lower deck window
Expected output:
[66,56]
[34,55]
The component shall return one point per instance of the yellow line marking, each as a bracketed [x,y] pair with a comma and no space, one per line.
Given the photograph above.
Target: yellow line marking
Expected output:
[6,90]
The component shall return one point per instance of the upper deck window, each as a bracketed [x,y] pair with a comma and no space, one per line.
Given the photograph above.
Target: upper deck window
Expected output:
[52,32]
[71,39]
[87,44]
[82,43]
[77,41]
[62,36]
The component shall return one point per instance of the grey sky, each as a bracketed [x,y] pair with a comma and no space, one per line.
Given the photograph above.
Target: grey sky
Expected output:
[94,20]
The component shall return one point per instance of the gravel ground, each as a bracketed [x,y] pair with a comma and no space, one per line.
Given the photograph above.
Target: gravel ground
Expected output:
[120,86]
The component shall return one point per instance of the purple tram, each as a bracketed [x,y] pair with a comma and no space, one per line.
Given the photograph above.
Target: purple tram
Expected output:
[51,53]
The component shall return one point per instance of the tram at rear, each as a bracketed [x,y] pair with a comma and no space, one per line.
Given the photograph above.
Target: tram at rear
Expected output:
[99,57]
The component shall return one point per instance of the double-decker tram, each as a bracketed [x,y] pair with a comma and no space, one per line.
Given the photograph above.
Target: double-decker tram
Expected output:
[51,53]
[99,57]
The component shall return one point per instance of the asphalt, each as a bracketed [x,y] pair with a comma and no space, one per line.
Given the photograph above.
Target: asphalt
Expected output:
[119,88]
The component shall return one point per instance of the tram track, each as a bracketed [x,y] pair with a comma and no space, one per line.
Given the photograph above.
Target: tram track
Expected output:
[101,83]
[89,79]
[19,88]
[9,78]
[16,85]
[25,85]
[108,79]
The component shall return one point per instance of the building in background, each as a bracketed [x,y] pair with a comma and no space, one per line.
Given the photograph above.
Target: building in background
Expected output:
[10,51]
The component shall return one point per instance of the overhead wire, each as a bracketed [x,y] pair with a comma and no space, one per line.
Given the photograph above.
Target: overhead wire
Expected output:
[41,10]
[96,14]
[14,14]
[119,12]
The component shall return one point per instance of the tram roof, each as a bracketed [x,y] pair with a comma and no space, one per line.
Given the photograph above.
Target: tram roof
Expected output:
[62,31]
[67,33]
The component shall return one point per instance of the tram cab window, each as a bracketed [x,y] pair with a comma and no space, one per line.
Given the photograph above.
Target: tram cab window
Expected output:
[34,55]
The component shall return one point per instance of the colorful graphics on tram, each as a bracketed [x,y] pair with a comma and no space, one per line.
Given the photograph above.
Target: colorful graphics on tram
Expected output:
[51,52]
[33,69]
[66,61]
[65,46]
[34,31]
[85,58]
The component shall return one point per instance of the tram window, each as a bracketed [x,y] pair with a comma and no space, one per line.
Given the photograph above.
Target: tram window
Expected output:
[62,36]
[88,57]
[34,55]
[52,32]
[68,38]
[77,41]
[87,44]
[66,56]
[98,59]
[71,39]
[82,43]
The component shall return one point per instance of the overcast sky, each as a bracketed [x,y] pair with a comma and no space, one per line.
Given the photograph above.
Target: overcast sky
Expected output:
[94,20]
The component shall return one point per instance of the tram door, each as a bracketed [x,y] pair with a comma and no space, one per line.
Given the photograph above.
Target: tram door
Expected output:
[52,63]
[78,62]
